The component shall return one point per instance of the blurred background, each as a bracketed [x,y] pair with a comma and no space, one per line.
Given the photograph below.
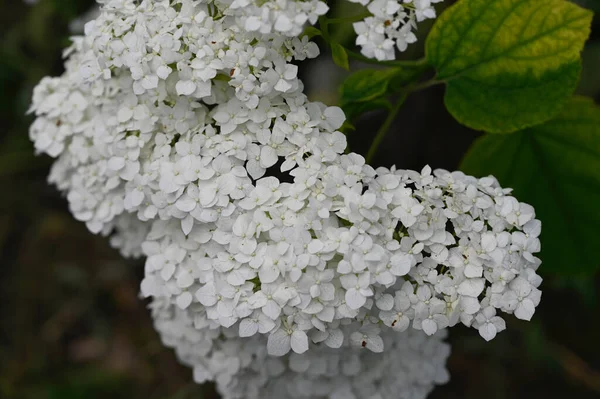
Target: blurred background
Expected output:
[71,323]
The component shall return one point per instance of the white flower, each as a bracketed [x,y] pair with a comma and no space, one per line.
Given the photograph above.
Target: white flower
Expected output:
[522,298]
[400,315]
[258,322]
[357,289]
[391,25]
[489,323]
[282,340]
[368,337]
[271,298]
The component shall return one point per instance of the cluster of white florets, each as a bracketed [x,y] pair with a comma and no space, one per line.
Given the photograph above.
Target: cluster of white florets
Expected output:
[344,252]
[391,25]
[186,135]
[412,364]
[284,17]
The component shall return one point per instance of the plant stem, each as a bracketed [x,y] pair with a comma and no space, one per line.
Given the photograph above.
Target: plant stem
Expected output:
[386,126]
[323,24]
[426,84]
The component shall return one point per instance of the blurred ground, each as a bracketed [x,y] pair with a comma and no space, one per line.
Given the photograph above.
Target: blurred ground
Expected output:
[72,326]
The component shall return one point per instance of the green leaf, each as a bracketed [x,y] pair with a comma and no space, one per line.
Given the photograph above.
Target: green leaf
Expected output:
[508,64]
[365,90]
[311,31]
[347,127]
[555,167]
[340,57]
[366,85]
[352,110]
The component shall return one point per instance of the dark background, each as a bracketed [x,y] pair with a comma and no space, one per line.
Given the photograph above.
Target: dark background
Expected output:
[72,326]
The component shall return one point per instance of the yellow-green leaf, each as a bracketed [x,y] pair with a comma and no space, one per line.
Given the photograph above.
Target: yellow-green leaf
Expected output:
[508,64]
[311,31]
[340,57]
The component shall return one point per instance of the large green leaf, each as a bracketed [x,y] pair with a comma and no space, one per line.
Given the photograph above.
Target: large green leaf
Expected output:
[555,167]
[508,64]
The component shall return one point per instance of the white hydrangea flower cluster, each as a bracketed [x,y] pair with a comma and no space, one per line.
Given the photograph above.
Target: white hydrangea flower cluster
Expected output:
[347,246]
[391,26]
[284,17]
[242,369]
[185,135]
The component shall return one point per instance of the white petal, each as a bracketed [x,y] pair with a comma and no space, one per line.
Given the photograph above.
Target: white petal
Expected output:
[488,242]
[184,300]
[385,302]
[525,310]
[187,224]
[252,24]
[185,203]
[335,116]
[248,328]
[185,87]
[335,339]
[149,287]
[167,272]
[268,274]
[299,341]
[185,280]
[116,163]
[278,343]
[271,309]
[470,305]
[401,324]
[124,114]
[163,72]
[375,344]
[354,299]
[136,197]
[265,325]
[208,194]
[401,264]
[487,331]
[315,246]
[206,295]
[429,326]
[282,86]
[201,374]
[150,82]
[471,287]
[283,23]
[247,246]
[344,267]
[268,157]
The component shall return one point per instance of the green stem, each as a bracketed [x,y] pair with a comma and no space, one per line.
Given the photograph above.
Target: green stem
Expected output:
[427,84]
[323,24]
[386,126]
